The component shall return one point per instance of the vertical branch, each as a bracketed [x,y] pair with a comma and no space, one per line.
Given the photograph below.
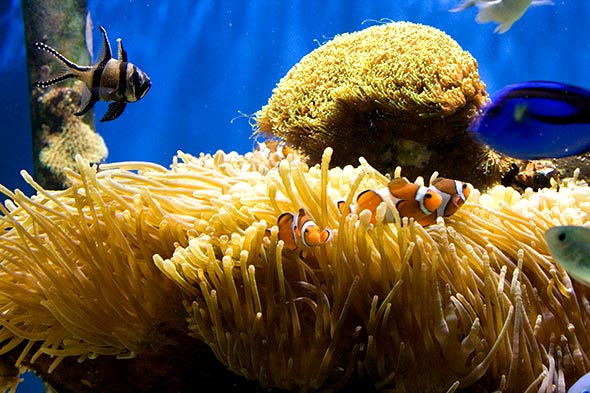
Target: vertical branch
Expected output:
[58,135]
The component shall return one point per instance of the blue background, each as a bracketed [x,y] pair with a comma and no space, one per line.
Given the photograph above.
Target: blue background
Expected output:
[212,62]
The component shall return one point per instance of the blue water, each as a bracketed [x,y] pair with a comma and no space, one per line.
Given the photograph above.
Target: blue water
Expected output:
[213,61]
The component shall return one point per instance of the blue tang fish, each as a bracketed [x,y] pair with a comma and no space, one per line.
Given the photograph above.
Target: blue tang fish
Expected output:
[582,385]
[570,247]
[534,120]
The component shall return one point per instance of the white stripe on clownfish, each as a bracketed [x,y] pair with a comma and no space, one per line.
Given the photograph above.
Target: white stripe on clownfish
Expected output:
[455,193]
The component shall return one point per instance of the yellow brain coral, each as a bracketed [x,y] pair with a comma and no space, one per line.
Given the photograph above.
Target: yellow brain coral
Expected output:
[397,94]
[472,300]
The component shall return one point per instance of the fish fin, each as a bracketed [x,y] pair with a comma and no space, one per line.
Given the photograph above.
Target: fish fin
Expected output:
[85,97]
[326,235]
[463,6]
[115,109]
[87,101]
[403,207]
[88,37]
[70,65]
[46,83]
[397,183]
[402,188]
[470,3]
[105,52]
[121,52]
[427,220]
[541,2]
[342,207]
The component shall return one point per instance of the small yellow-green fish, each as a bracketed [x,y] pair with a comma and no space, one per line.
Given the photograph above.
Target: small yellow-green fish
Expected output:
[570,247]
[109,79]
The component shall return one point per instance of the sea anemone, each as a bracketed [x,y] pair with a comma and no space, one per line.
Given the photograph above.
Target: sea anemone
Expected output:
[473,300]
[76,268]
[398,94]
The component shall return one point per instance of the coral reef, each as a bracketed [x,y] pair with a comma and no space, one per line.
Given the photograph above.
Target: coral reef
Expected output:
[63,135]
[397,94]
[474,300]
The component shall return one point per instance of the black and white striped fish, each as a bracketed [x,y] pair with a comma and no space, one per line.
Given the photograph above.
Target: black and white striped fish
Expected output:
[109,79]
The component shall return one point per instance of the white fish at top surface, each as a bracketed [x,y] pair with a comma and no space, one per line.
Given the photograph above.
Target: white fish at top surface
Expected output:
[504,12]
[570,247]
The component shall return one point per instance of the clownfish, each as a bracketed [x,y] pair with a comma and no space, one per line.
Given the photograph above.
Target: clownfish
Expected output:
[411,200]
[300,231]
[454,194]
[108,79]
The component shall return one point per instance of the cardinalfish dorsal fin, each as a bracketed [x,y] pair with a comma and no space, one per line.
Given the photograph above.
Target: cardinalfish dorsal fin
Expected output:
[122,53]
[105,53]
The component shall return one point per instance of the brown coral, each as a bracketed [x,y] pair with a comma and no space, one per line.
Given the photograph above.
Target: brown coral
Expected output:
[397,94]
[472,300]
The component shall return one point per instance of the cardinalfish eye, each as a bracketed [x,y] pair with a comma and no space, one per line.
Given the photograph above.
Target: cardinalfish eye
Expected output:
[561,236]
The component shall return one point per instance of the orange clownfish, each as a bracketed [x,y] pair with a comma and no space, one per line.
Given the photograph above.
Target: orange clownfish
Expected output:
[454,194]
[300,231]
[411,200]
